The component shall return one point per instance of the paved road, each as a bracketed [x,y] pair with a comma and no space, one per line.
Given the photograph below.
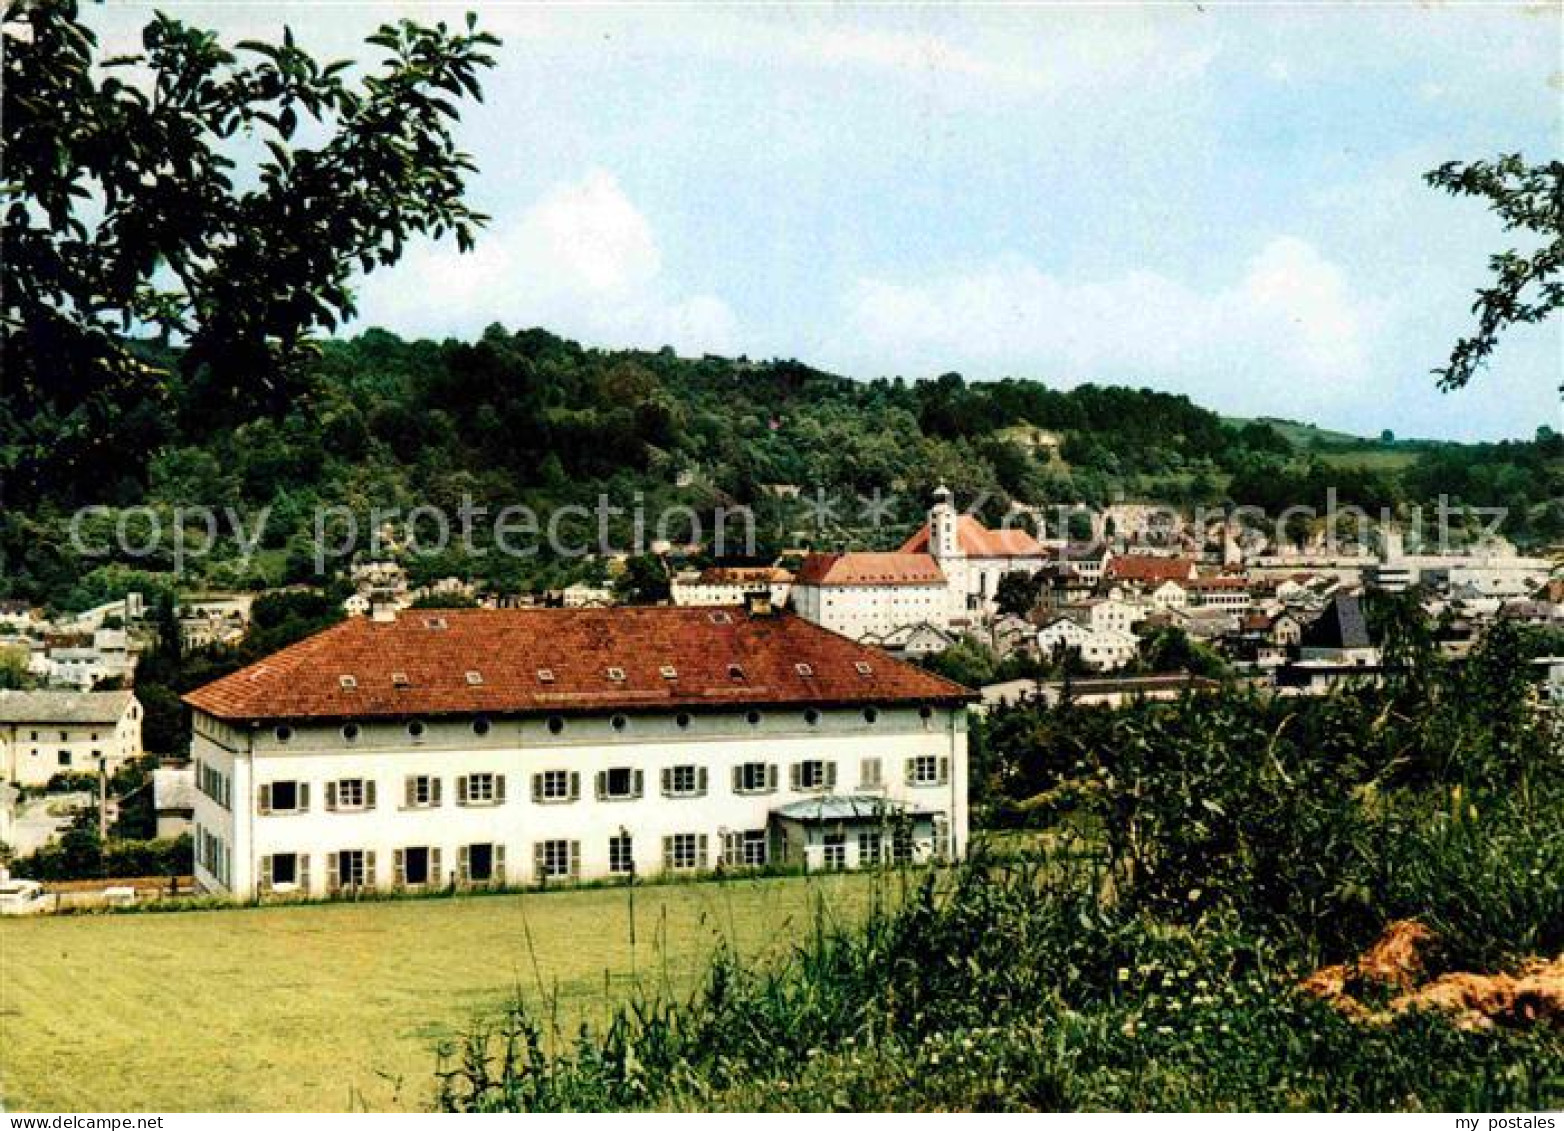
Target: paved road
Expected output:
[35,827]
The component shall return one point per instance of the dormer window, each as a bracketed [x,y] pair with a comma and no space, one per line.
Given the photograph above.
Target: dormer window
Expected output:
[735,671]
[474,679]
[804,670]
[434,623]
[668,671]
[348,682]
[617,675]
[721,618]
[864,668]
[545,675]
[399,679]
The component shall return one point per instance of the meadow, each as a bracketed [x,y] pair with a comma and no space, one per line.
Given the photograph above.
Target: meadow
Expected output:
[342,1006]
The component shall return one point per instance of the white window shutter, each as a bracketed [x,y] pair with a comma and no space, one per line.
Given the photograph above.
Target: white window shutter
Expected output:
[369,869]
[539,861]
[266,872]
[795,775]
[738,779]
[434,791]
[944,771]
[369,793]
[331,796]
[464,863]
[667,850]
[410,791]
[830,775]
[701,779]
[575,786]
[461,790]
[575,859]
[333,870]
[771,777]
[640,783]
[700,850]
[499,789]
[304,797]
[301,873]
[499,863]
[436,874]
[264,803]
[398,867]
[911,769]
[600,784]
[537,787]
[667,781]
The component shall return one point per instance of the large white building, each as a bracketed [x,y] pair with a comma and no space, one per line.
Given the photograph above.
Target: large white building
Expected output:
[44,733]
[871,594]
[945,577]
[522,746]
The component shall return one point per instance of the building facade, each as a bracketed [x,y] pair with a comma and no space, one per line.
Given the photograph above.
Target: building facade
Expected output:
[44,733]
[530,746]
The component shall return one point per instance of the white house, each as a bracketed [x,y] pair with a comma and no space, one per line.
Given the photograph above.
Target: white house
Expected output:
[43,733]
[731,585]
[1099,649]
[871,594]
[524,746]
[1117,614]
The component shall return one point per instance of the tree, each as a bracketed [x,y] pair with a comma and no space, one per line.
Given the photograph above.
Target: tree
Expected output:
[1526,286]
[13,668]
[126,209]
[644,581]
[1017,592]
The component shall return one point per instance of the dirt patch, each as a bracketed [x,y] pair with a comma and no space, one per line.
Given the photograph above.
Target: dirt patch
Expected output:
[1398,961]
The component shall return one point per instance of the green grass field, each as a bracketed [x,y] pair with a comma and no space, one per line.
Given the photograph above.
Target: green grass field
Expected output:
[341,1006]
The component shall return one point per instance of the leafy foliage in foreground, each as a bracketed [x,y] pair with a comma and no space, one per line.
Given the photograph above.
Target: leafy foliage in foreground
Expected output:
[1153,964]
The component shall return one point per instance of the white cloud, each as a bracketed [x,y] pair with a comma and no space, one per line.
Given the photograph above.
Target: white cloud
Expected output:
[1286,336]
[582,260]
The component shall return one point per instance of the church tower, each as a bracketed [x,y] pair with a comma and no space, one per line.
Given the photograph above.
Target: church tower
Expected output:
[942,526]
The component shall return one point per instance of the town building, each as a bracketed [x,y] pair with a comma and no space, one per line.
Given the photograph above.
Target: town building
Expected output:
[871,595]
[44,733]
[731,585]
[529,746]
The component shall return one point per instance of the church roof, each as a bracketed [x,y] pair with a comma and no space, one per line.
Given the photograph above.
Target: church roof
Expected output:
[978,541]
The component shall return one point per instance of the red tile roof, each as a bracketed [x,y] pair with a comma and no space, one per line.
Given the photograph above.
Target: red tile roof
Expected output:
[1149,568]
[978,541]
[869,569]
[743,575]
[557,661]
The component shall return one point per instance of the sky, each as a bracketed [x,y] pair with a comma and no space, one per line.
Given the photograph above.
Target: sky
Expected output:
[1220,201]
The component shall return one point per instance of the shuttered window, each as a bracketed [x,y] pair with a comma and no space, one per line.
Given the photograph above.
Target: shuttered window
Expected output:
[812,774]
[685,781]
[620,784]
[684,851]
[481,863]
[480,789]
[417,867]
[754,777]
[556,860]
[553,786]
[421,791]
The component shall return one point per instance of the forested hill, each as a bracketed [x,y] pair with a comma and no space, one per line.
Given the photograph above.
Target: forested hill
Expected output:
[530,418]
